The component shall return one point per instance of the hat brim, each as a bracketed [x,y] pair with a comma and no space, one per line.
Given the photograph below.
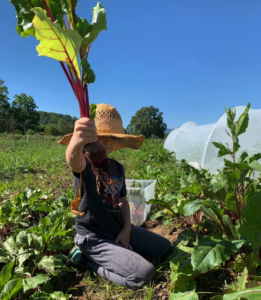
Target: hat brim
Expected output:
[124,140]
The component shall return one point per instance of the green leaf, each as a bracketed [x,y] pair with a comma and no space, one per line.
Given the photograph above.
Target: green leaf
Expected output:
[250,294]
[25,16]
[231,113]
[159,202]
[185,267]
[231,229]
[38,241]
[9,245]
[211,213]
[4,257]
[242,123]
[12,287]
[209,253]
[23,238]
[67,9]
[43,208]
[236,145]
[41,296]
[53,216]
[223,150]
[195,188]
[184,284]
[217,183]
[83,27]
[23,256]
[231,202]
[92,111]
[59,44]
[251,260]
[51,264]
[255,157]
[190,208]
[33,282]
[59,296]
[99,23]
[6,275]
[88,74]
[250,227]
[184,296]
[239,284]
[157,215]
[255,165]
[243,156]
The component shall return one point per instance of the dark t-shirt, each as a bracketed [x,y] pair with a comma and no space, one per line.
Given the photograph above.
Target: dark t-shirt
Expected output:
[102,215]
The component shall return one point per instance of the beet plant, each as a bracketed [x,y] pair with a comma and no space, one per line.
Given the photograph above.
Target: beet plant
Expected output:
[223,212]
[67,38]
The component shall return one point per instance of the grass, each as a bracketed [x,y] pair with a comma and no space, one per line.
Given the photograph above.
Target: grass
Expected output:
[37,163]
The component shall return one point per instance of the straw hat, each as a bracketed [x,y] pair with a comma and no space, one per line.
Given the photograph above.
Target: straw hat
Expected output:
[109,123]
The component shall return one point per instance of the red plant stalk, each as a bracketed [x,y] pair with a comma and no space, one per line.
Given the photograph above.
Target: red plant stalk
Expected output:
[78,96]
[195,218]
[81,92]
[191,223]
[73,12]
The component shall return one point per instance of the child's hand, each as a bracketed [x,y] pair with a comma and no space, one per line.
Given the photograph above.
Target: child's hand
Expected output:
[124,238]
[84,132]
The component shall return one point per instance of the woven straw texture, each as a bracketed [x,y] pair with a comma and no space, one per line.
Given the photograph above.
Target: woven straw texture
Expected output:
[109,123]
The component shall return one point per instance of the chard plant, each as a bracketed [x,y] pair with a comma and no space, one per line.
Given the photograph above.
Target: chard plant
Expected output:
[64,37]
[11,286]
[67,38]
[224,212]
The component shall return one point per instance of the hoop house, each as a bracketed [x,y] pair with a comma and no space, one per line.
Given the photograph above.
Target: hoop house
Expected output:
[194,143]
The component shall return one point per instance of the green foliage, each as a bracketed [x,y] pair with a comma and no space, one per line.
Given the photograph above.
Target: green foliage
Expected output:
[149,122]
[251,221]
[250,294]
[35,157]
[4,107]
[47,118]
[64,48]
[221,212]
[52,296]
[186,296]
[24,113]
[210,253]
[10,286]
[37,244]
[224,213]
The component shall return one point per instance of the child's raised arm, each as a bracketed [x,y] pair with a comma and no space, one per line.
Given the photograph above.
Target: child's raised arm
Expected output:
[84,133]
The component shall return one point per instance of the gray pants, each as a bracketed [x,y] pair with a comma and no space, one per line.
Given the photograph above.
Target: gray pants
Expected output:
[120,265]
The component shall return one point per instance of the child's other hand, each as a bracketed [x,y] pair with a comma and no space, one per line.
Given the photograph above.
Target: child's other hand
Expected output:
[124,238]
[84,132]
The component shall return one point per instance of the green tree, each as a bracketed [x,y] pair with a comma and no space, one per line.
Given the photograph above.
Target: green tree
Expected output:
[4,107]
[24,113]
[51,129]
[64,127]
[147,121]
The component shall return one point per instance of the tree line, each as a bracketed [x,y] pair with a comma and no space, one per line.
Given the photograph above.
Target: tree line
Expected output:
[21,116]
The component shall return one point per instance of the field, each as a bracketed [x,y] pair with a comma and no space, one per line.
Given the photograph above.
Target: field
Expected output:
[213,221]
[35,181]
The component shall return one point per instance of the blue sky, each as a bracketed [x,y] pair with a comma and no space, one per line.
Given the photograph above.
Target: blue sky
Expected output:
[188,58]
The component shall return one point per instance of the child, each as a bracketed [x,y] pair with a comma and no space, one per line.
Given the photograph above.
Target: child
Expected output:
[104,234]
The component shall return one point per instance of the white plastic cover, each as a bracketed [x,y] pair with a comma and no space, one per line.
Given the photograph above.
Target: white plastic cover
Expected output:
[194,143]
